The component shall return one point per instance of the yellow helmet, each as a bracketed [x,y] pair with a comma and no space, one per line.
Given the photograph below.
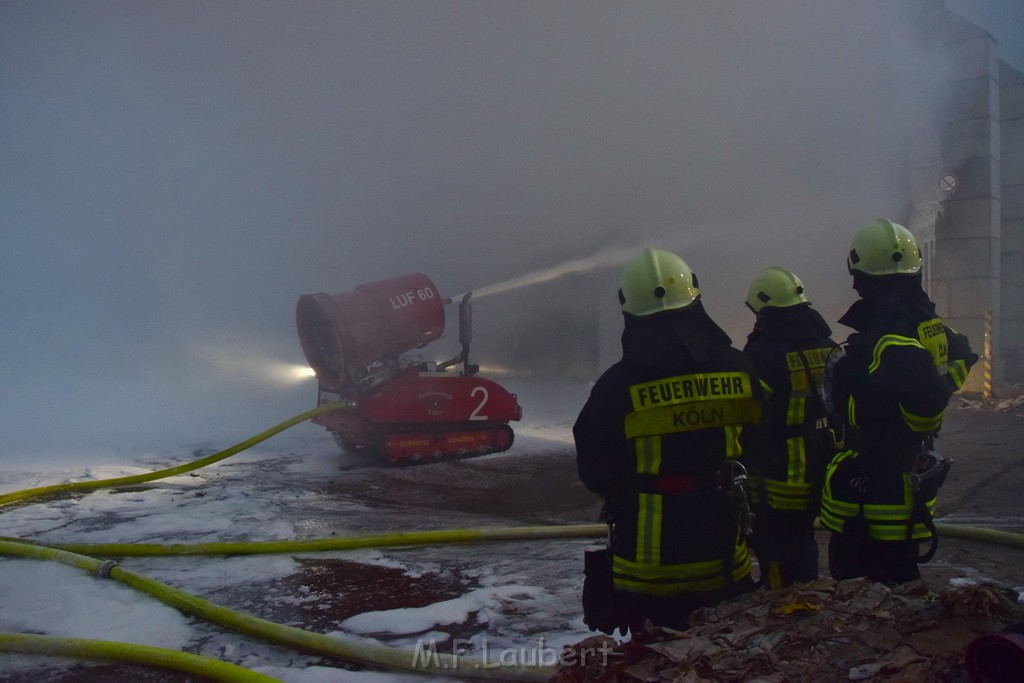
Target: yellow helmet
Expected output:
[776,287]
[884,248]
[657,281]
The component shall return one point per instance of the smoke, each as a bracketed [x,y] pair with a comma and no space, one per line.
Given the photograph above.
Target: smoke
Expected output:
[175,175]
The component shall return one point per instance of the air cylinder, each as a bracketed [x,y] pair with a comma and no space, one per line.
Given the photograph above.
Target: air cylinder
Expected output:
[343,333]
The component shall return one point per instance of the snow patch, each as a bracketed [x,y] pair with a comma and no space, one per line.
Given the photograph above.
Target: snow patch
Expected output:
[406,620]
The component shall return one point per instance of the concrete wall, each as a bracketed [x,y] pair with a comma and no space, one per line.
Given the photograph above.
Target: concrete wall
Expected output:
[975,259]
[966,260]
[1011,99]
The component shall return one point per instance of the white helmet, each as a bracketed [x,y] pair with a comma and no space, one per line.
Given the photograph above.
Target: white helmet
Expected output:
[775,287]
[657,281]
[884,248]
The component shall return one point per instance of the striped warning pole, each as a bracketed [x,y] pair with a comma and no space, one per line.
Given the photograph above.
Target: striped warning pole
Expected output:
[986,367]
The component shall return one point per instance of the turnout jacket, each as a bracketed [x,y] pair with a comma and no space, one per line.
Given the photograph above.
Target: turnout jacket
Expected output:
[900,369]
[654,438]
[789,347]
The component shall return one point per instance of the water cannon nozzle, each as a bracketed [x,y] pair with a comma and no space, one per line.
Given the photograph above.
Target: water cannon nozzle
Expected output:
[461,298]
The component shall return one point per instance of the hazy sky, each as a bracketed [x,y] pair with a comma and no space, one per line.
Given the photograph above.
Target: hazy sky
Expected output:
[173,175]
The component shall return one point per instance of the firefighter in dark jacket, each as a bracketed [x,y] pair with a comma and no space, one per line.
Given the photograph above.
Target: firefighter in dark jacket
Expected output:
[890,389]
[659,438]
[788,346]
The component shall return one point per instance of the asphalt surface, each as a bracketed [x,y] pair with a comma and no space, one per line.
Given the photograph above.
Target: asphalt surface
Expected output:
[985,488]
[537,486]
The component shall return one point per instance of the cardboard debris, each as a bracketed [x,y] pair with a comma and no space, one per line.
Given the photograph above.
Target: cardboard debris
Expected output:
[854,630]
[1007,399]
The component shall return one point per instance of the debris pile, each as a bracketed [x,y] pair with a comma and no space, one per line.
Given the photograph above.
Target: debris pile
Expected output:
[1007,400]
[854,630]
[1014,404]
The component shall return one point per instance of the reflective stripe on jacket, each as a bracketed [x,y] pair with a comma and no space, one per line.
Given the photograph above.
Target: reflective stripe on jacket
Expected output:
[797,443]
[656,445]
[886,503]
[903,366]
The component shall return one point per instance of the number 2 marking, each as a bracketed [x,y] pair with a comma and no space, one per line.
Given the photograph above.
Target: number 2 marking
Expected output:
[475,415]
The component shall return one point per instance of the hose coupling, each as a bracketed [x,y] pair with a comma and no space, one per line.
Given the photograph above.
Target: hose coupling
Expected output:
[105,568]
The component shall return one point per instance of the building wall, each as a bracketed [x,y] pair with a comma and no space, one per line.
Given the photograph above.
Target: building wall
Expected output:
[1011,100]
[965,261]
[975,261]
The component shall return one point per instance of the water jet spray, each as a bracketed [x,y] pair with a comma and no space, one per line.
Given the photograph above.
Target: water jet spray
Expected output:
[606,257]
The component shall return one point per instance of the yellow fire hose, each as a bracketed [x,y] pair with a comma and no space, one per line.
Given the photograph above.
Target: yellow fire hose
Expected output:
[397,539]
[389,540]
[47,491]
[974,533]
[359,651]
[376,655]
[351,650]
[86,648]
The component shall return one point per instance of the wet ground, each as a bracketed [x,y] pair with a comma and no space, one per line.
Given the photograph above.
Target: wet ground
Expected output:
[985,488]
[533,484]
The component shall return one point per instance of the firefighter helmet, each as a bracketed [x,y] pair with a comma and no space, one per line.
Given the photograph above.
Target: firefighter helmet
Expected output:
[777,287]
[884,248]
[657,281]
